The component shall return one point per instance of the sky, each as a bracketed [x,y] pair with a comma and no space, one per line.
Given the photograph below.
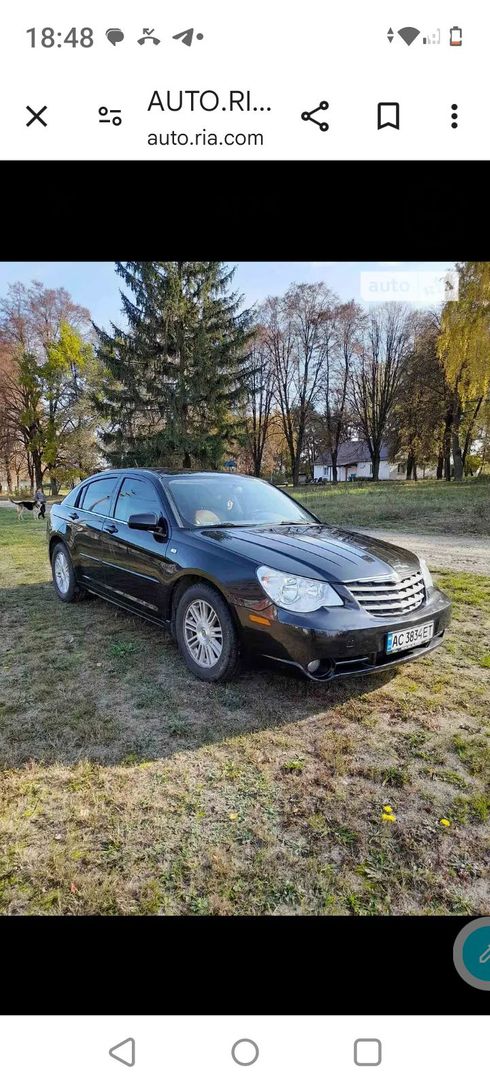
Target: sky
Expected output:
[96,285]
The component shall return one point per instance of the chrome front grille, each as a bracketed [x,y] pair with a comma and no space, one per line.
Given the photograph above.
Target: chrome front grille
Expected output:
[389,596]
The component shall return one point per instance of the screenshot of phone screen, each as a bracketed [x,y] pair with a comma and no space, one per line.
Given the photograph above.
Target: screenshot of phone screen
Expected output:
[309,81]
[244,544]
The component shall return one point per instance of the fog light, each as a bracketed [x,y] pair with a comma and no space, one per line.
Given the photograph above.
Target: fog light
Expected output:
[313,666]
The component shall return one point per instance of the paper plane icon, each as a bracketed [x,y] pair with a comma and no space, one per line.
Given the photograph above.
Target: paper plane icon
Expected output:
[187,36]
[124,1052]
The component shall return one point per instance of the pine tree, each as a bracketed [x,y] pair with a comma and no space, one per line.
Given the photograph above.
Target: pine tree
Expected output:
[176,373]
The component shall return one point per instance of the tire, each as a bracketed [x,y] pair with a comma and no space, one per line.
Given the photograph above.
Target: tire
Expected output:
[206,634]
[64,580]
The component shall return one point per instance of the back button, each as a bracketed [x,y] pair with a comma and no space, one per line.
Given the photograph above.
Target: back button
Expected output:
[124,1052]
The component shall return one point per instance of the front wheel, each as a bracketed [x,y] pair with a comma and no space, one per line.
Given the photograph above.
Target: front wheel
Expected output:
[64,579]
[206,634]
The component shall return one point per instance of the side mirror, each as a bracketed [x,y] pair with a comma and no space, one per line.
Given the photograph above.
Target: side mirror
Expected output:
[155,523]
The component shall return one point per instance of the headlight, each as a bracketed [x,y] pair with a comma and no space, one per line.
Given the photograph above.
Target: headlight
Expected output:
[426,575]
[295,593]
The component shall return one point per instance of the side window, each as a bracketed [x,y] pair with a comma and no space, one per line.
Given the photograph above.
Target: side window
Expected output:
[97,496]
[136,497]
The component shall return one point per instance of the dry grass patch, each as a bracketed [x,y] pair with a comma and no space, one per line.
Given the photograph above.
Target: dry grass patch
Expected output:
[129,787]
[423,506]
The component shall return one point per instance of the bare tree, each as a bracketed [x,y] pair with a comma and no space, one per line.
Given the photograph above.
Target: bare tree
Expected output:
[348,328]
[7,430]
[418,417]
[299,331]
[379,372]
[259,392]
[314,442]
[7,442]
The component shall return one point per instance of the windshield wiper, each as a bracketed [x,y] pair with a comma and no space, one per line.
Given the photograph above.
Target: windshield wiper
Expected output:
[242,525]
[225,525]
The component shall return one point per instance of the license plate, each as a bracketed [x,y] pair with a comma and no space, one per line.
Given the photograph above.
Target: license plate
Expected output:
[408,638]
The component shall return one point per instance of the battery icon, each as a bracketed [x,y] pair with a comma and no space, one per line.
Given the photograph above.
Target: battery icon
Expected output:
[455,36]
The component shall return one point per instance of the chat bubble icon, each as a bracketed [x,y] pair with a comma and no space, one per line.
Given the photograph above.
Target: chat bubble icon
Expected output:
[114,35]
[388,115]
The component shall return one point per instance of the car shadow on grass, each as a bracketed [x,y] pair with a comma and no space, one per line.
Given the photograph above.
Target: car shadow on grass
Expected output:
[90,682]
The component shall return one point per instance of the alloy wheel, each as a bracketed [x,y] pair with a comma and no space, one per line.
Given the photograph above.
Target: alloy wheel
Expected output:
[203,633]
[62,572]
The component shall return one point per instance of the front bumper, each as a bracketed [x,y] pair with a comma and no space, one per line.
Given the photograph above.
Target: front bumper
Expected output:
[345,641]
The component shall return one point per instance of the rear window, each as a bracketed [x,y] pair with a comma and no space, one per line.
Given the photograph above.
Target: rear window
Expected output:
[71,497]
[96,497]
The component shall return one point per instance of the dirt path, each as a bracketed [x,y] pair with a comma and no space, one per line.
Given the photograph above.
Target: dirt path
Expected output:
[441,551]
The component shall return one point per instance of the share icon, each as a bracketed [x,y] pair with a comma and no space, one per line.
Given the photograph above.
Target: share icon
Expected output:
[309,115]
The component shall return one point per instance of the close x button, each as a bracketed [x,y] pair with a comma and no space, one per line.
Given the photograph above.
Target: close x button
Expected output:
[37,116]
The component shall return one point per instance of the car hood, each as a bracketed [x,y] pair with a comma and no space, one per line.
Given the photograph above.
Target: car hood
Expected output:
[316,551]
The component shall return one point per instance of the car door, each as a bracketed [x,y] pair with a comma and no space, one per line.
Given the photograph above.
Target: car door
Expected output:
[139,572]
[86,524]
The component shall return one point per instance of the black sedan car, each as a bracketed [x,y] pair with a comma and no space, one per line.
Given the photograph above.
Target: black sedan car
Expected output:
[230,563]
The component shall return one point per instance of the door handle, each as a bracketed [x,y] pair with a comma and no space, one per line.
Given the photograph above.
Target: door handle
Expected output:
[111,529]
[75,517]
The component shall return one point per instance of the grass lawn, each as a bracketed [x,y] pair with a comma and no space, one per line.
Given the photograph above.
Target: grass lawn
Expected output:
[425,506]
[127,786]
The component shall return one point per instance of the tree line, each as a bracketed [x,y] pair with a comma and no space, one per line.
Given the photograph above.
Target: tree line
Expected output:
[416,381]
[190,377]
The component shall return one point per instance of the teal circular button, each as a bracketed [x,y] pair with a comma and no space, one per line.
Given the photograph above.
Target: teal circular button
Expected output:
[471,954]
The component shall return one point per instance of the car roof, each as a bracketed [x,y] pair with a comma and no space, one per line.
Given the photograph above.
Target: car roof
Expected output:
[195,472]
[154,471]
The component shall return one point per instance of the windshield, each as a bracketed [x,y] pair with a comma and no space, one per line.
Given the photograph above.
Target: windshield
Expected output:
[224,500]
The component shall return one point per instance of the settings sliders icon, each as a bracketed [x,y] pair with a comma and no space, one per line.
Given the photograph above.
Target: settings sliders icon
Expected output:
[309,115]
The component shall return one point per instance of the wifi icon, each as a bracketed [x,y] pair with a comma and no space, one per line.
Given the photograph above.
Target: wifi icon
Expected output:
[409,34]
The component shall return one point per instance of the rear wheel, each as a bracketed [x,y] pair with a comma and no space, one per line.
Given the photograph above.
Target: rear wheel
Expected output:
[64,579]
[206,634]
